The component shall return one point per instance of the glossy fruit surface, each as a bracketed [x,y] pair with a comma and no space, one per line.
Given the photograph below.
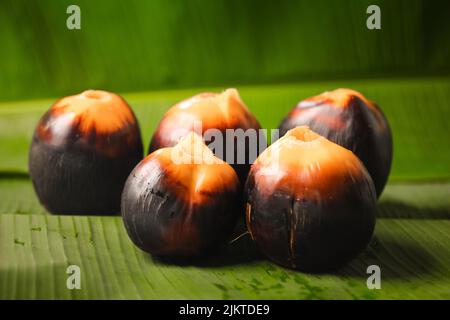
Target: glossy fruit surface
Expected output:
[83,149]
[310,202]
[211,112]
[347,118]
[181,201]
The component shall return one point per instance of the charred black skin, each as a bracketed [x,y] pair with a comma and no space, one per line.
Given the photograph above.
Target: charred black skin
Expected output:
[150,209]
[361,134]
[74,178]
[327,233]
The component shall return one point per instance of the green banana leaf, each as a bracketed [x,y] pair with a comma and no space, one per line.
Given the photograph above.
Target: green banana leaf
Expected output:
[414,107]
[35,251]
[156,53]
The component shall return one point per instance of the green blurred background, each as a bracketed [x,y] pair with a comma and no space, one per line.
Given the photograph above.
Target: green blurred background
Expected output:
[143,45]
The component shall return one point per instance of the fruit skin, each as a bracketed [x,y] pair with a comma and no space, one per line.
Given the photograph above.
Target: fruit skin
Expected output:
[310,203]
[181,209]
[83,149]
[219,111]
[347,118]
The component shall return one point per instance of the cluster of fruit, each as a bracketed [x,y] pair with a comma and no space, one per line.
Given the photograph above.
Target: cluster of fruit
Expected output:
[308,199]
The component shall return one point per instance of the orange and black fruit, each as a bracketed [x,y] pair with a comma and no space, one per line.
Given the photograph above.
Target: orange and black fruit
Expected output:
[211,113]
[310,202]
[181,201]
[82,152]
[347,118]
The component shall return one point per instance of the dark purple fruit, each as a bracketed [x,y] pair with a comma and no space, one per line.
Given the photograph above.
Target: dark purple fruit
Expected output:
[211,111]
[347,118]
[181,201]
[83,149]
[310,202]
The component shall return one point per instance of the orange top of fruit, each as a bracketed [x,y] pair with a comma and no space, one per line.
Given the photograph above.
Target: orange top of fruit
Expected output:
[304,163]
[193,171]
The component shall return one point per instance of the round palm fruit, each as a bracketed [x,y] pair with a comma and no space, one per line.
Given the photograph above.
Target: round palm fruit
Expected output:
[227,126]
[83,149]
[349,119]
[181,201]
